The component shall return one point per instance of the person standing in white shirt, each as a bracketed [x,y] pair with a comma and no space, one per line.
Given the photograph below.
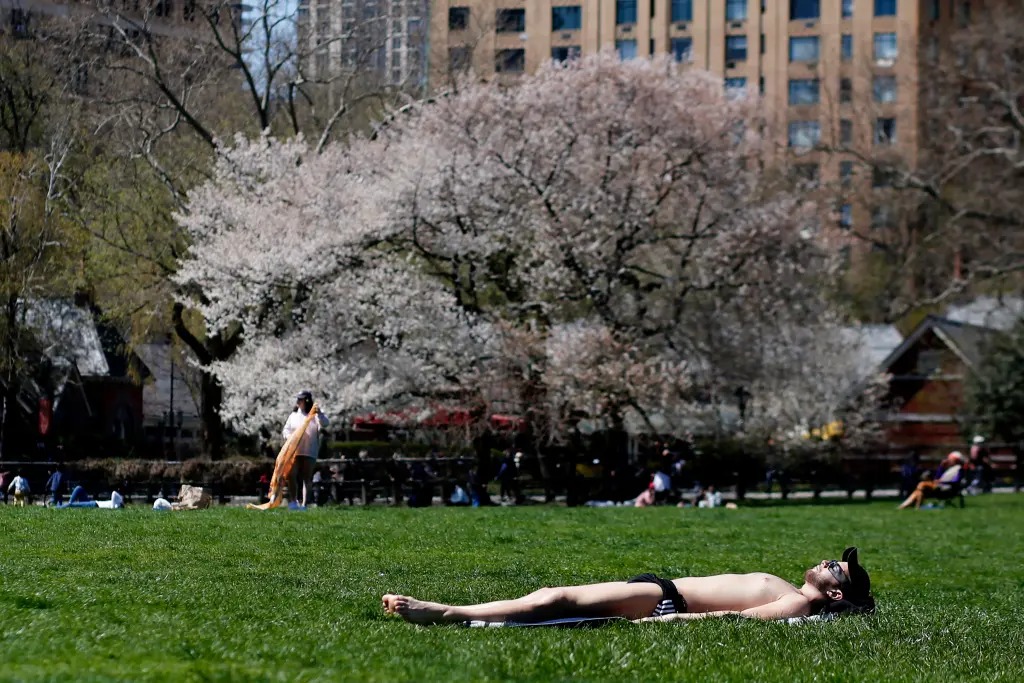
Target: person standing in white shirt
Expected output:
[19,485]
[309,447]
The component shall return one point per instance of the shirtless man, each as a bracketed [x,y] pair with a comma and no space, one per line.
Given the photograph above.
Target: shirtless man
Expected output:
[831,586]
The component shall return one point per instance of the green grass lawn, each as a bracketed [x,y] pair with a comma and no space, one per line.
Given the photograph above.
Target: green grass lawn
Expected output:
[229,594]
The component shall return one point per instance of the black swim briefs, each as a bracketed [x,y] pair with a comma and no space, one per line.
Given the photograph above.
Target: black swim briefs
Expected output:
[672,602]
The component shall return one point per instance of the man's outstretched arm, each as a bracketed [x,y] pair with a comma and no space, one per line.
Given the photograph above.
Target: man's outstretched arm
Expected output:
[783,608]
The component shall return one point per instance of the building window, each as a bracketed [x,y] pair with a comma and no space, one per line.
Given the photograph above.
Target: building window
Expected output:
[682,49]
[804,9]
[882,177]
[933,9]
[804,49]
[459,58]
[847,9]
[188,12]
[735,10]
[845,173]
[803,91]
[880,217]
[735,48]
[846,216]
[886,49]
[566,18]
[804,134]
[510,21]
[845,90]
[163,8]
[885,8]
[846,47]
[682,10]
[735,87]
[965,12]
[19,22]
[807,174]
[626,49]
[510,61]
[458,18]
[885,131]
[884,88]
[845,132]
[625,12]
[565,53]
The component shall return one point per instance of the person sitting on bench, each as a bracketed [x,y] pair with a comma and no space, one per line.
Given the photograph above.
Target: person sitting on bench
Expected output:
[950,474]
[831,586]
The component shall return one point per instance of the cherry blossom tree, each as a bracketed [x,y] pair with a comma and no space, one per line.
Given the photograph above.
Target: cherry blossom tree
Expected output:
[625,200]
[601,240]
[294,262]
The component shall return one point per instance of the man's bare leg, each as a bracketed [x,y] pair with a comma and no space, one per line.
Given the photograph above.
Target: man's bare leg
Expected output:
[614,599]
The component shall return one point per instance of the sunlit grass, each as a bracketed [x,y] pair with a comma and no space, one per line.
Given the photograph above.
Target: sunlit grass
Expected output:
[229,594]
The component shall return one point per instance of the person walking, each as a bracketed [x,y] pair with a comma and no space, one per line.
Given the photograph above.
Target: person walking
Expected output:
[19,486]
[55,486]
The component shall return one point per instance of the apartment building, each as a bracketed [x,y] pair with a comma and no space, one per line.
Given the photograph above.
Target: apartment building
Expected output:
[843,73]
[383,39]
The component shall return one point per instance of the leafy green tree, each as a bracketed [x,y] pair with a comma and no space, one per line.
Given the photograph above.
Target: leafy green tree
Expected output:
[994,396]
[35,245]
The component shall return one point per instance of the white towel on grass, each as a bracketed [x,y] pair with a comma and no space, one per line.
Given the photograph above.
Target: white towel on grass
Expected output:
[593,622]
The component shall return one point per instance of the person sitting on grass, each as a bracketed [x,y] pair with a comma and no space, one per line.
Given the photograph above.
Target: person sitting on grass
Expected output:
[831,586]
[950,473]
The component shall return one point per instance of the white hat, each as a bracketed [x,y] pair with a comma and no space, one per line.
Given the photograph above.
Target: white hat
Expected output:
[957,455]
[978,438]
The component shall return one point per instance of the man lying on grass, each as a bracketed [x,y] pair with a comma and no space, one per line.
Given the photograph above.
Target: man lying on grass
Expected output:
[829,587]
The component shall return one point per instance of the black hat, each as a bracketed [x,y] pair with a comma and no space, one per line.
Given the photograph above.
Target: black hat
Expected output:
[304,395]
[859,588]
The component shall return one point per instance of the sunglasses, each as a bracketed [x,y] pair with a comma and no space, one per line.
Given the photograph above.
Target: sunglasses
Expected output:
[835,570]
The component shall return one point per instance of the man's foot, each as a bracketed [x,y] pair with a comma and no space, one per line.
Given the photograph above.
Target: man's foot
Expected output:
[413,610]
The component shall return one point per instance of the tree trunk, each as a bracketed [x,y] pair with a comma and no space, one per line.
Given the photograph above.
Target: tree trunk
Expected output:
[5,402]
[9,363]
[211,425]
[215,347]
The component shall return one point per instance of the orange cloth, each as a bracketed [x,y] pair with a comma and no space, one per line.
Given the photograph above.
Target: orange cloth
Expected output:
[284,464]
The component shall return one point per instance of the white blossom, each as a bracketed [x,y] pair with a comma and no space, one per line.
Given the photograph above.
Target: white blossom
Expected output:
[600,240]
